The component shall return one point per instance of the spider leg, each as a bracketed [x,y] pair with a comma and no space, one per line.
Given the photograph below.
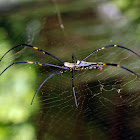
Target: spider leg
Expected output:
[109,46]
[73,88]
[73,56]
[51,75]
[36,48]
[116,65]
[34,63]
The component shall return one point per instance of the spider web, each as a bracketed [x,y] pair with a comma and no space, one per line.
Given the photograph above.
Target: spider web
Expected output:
[108,100]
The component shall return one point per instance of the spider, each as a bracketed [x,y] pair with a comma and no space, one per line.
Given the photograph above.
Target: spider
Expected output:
[69,67]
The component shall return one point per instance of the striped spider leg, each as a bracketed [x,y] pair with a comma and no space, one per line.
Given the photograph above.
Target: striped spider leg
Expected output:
[82,65]
[109,46]
[36,48]
[63,69]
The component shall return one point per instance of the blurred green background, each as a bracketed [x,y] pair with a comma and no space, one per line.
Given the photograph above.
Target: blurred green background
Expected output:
[108,100]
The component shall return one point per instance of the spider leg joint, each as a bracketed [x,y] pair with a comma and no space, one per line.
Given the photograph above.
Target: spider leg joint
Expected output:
[30,62]
[36,48]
